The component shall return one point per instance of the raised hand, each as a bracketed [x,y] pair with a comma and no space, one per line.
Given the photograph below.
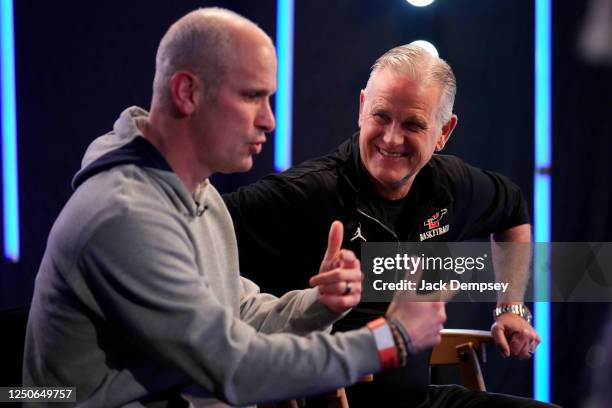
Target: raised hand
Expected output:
[339,277]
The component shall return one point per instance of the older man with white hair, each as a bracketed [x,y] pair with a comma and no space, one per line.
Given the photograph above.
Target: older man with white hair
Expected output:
[386,184]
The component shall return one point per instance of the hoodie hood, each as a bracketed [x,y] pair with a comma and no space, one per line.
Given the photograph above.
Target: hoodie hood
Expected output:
[125,144]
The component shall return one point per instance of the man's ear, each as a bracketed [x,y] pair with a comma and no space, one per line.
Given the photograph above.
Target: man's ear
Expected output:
[184,88]
[447,129]
[362,95]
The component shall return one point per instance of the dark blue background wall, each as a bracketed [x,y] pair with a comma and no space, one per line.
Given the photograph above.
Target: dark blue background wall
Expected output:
[80,63]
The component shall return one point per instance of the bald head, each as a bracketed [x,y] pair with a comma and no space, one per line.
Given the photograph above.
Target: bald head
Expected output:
[204,42]
[418,64]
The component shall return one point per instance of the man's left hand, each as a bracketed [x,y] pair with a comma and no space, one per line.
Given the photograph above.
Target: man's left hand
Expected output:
[339,278]
[514,336]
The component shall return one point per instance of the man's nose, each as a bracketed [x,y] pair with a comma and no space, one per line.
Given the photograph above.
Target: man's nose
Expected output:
[265,118]
[393,135]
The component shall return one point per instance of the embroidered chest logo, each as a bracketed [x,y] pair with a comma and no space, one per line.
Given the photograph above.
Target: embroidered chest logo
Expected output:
[357,234]
[433,226]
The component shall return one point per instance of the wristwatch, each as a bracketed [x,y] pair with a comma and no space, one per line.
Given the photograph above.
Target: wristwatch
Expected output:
[519,310]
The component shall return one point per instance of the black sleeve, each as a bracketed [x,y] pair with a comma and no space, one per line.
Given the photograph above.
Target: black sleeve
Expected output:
[494,203]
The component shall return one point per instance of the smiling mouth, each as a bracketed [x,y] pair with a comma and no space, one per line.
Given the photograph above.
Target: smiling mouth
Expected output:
[386,153]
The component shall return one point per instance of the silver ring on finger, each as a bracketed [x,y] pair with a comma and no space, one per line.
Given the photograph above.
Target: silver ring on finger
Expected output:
[347,289]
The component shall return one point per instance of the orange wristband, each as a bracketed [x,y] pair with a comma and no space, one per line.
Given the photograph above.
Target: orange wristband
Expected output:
[387,352]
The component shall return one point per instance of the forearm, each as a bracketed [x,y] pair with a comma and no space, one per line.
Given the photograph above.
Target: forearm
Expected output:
[511,252]
[298,312]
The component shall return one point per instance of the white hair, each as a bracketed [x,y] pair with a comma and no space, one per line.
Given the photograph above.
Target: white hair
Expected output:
[417,63]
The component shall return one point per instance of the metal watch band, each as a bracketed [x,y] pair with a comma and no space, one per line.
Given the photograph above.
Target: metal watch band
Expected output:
[517,309]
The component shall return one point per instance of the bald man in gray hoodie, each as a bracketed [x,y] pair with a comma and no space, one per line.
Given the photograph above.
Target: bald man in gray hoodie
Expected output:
[139,298]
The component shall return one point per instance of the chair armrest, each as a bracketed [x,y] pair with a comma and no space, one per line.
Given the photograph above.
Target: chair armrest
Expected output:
[446,351]
[463,347]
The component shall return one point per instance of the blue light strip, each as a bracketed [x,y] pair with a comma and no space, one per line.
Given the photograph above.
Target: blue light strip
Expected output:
[542,195]
[284,94]
[10,193]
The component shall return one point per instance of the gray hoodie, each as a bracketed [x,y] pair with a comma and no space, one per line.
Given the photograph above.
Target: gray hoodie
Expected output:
[139,296]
